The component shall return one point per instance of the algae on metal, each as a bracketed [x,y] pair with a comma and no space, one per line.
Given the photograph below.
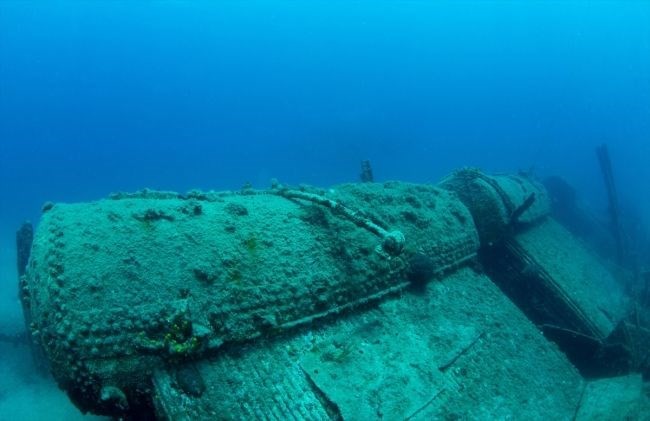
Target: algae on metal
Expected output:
[124,286]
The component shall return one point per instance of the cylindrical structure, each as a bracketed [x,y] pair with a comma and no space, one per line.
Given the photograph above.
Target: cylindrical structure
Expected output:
[498,202]
[120,287]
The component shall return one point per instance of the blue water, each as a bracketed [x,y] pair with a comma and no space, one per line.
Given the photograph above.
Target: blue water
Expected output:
[104,96]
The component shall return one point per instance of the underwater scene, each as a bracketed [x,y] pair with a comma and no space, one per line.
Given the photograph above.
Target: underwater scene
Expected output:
[324,210]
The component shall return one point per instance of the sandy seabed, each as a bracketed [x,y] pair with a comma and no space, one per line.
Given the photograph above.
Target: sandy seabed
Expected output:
[25,394]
